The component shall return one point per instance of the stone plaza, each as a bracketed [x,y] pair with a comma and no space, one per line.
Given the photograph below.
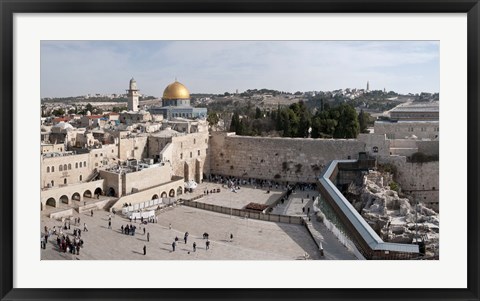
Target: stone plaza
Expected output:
[252,239]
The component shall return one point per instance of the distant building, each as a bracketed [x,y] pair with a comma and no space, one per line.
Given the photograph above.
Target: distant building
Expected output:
[176,103]
[133,96]
[412,121]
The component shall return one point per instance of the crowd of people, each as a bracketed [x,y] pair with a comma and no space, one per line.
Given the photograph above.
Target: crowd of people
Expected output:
[231,181]
[64,243]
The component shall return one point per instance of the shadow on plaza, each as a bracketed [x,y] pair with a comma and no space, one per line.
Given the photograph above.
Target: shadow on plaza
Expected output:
[308,247]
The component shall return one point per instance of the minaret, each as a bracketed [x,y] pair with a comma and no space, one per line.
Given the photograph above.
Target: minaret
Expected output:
[133,96]
[368,86]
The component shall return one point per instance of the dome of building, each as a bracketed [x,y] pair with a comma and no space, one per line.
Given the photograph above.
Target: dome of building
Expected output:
[176,91]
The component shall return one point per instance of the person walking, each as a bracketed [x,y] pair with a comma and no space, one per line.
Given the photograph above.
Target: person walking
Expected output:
[231,236]
[144,250]
[109,225]
[85,229]
[91,212]
[173,246]
[144,230]
[194,247]
[148,236]
[207,245]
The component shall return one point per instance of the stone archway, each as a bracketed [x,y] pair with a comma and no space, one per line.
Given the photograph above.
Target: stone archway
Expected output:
[76,197]
[64,199]
[51,202]
[98,191]
[111,191]
[179,190]
[155,196]
[164,194]
[171,193]
[87,194]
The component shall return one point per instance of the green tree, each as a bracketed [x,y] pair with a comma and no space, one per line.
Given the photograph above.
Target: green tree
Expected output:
[363,121]
[58,112]
[212,118]
[235,124]
[258,113]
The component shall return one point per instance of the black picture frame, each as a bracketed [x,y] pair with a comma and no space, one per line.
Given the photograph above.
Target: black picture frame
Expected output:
[10,7]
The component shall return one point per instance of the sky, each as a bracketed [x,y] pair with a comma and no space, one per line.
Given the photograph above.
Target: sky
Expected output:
[74,68]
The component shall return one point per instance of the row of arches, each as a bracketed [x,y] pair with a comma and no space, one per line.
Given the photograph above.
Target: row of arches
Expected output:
[172,193]
[75,197]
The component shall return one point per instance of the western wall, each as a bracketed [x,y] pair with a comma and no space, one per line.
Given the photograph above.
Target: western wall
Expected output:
[283,159]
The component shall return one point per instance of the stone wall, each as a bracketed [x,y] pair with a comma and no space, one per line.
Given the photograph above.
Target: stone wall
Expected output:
[375,144]
[71,174]
[148,194]
[112,180]
[133,147]
[418,179]
[147,178]
[284,159]
[189,154]
[400,130]
[429,147]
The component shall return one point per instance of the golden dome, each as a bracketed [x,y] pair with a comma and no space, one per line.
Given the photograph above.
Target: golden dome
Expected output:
[176,91]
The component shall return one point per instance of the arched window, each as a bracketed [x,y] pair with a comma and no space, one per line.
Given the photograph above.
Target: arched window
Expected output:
[48,168]
[64,166]
[84,163]
[76,165]
[60,168]
[53,168]
[194,141]
[80,177]
[53,183]
[65,181]
[69,166]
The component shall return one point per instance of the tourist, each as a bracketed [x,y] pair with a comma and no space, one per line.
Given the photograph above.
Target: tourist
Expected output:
[144,230]
[170,226]
[194,247]
[121,228]
[173,246]
[207,245]
[144,250]
[231,236]
[91,212]
[109,225]
[85,229]
[148,236]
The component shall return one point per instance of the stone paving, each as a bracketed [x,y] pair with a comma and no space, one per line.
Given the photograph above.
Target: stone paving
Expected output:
[253,239]
[236,200]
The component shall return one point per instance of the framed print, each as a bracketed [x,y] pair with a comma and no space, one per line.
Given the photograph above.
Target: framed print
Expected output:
[248,150]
